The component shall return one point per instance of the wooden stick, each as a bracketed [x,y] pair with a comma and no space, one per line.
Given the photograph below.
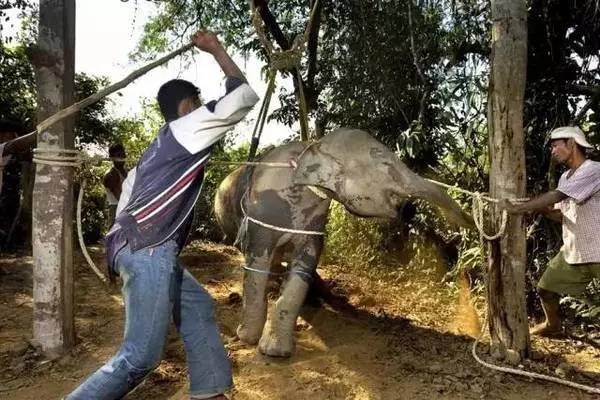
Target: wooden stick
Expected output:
[64,113]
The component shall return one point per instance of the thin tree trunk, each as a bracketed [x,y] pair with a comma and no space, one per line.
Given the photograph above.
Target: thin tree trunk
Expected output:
[52,236]
[507,260]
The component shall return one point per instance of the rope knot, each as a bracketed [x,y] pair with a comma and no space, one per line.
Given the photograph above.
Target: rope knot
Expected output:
[478,200]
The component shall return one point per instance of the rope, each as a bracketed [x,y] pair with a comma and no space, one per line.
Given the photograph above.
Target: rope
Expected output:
[479,223]
[254,163]
[534,375]
[261,271]
[74,159]
[468,192]
[80,235]
[288,60]
[262,116]
[275,227]
[477,207]
[280,229]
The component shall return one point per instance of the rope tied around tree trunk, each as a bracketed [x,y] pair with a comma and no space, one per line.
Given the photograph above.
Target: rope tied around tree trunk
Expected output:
[478,200]
[69,158]
[478,218]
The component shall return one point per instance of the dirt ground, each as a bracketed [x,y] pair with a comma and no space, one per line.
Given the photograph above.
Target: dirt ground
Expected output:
[406,339]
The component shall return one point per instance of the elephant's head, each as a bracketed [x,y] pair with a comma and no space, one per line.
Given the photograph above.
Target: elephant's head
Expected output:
[367,178]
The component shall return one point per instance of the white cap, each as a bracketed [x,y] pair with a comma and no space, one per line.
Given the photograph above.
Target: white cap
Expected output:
[567,132]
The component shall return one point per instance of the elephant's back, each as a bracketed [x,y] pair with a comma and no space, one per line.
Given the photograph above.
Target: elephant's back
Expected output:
[277,178]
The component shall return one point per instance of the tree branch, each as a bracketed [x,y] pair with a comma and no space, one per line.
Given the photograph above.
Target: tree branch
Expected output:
[584,89]
[275,30]
[313,41]
[271,23]
[413,50]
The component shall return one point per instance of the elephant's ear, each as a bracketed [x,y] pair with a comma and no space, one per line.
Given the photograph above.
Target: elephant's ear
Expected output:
[315,167]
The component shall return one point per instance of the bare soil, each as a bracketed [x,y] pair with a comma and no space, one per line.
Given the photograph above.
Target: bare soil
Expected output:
[406,338]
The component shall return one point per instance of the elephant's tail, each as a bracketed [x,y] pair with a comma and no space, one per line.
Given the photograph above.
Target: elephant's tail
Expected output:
[227,208]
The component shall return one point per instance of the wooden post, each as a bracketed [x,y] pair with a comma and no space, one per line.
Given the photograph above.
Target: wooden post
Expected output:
[52,230]
[507,259]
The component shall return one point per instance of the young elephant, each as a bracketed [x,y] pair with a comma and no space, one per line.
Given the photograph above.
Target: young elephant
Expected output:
[347,165]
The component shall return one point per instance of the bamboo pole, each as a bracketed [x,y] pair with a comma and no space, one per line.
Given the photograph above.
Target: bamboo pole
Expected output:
[66,112]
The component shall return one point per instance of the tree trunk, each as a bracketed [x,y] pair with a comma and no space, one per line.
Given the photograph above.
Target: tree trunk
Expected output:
[506,274]
[53,327]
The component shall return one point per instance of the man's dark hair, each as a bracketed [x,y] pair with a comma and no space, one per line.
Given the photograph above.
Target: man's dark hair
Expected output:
[116,149]
[170,95]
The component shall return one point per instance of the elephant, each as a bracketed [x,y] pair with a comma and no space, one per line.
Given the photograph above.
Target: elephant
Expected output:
[287,210]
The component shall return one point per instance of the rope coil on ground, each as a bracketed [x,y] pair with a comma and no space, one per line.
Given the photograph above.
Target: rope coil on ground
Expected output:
[533,375]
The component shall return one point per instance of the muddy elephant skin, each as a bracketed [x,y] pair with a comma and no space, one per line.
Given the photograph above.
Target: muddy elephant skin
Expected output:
[347,165]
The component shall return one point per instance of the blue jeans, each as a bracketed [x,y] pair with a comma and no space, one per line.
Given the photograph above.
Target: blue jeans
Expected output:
[156,287]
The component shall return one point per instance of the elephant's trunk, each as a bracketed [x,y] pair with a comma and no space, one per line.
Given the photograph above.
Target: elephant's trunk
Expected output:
[437,195]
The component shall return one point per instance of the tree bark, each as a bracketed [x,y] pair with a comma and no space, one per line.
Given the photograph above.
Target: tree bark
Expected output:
[52,230]
[507,259]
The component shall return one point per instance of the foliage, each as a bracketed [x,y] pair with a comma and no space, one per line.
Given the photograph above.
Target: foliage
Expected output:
[94,207]
[93,125]
[95,129]
[17,97]
[588,307]
[352,241]
[22,6]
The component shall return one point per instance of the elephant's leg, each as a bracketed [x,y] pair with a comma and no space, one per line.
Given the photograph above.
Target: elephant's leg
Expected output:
[263,248]
[254,306]
[278,337]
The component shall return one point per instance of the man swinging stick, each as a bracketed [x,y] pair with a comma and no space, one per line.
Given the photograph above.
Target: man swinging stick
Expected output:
[153,219]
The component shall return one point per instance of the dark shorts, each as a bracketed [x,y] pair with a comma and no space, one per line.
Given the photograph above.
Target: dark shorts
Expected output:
[568,279]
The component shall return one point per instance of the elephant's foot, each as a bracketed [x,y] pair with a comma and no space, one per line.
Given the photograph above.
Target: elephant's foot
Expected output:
[278,337]
[248,334]
[274,345]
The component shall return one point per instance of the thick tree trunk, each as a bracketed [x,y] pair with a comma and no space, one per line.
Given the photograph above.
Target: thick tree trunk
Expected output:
[506,275]
[53,327]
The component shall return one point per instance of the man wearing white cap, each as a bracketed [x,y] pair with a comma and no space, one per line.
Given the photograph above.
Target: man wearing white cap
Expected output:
[576,203]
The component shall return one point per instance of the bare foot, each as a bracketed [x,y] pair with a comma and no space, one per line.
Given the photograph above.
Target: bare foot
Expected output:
[546,330]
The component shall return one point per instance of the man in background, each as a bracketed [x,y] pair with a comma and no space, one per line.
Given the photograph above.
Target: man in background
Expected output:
[113,180]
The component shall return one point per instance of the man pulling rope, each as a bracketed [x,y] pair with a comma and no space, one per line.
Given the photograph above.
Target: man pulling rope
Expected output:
[576,204]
